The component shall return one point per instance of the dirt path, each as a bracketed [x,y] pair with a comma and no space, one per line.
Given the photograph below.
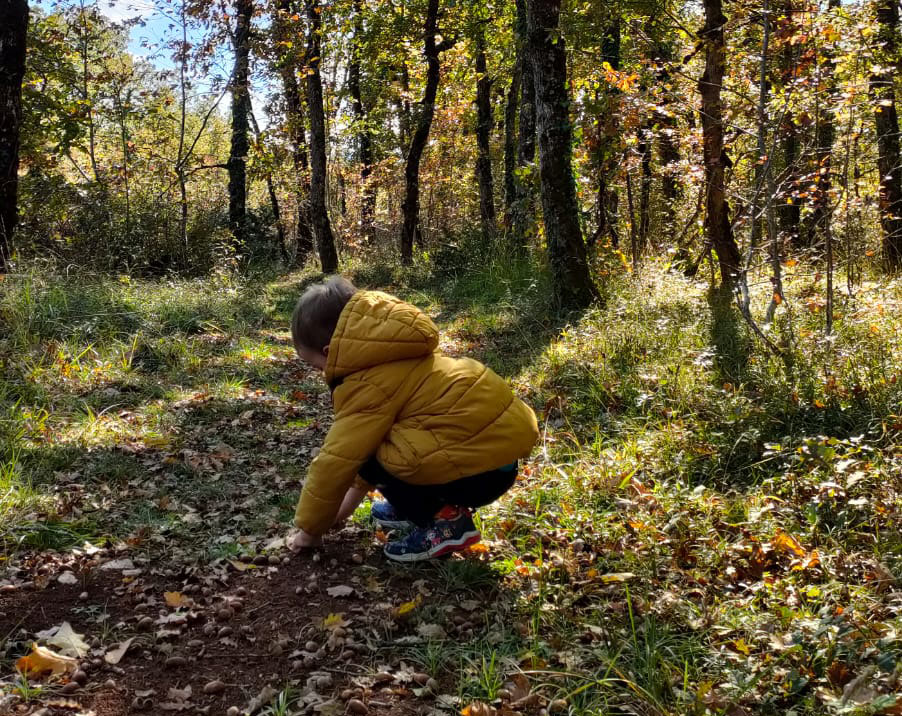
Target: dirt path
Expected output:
[205,640]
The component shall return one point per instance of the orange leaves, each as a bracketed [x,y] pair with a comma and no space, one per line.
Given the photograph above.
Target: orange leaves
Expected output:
[784,543]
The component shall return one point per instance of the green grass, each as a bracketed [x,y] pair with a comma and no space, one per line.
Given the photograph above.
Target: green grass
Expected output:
[704,528]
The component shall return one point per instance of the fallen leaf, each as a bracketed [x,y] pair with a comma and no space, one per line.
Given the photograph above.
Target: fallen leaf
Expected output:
[431,631]
[478,708]
[67,578]
[175,599]
[66,639]
[333,621]
[118,564]
[408,607]
[614,577]
[786,543]
[42,661]
[267,694]
[115,656]
[241,566]
[342,590]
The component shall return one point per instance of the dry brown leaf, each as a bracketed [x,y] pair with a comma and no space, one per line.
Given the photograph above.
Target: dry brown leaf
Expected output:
[478,708]
[66,639]
[42,661]
[175,599]
[787,544]
[115,656]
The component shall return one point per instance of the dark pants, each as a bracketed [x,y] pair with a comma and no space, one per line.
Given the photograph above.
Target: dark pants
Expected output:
[420,503]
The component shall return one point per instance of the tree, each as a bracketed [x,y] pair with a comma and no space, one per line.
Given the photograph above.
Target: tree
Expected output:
[604,140]
[719,231]
[573,287]
[364,140]
[521,206]
[886,121]
[237,164]
[319,215]
[287,64]
[13,30]
[411,206]
[484,123]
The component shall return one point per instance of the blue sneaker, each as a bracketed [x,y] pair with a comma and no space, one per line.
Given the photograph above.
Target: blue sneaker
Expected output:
[442,537]
[385,516]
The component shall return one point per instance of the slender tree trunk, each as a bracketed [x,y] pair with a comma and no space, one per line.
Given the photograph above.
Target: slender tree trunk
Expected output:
[86,94]
[294,120]
[523,196]
[511,106]
[271,189]
[364,140]
[606,158]
[887,125]
[668,142]
[644,149]
[484,123]
[13,34]
[573,286]
[319,213]
[790,210]
[237,163]
[411,205]
[180,158]
[717,220]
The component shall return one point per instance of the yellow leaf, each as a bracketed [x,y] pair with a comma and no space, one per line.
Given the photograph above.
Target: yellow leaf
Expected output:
[241,566]
[592,573]
[614,577]
[408,607]
[478,708]
[478,547]
[42,661]
[740,646]
[786,543]
[334,620]
[778,299]
[790,263]
[175,599]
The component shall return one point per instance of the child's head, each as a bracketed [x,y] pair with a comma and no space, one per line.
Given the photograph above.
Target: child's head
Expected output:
[316,316]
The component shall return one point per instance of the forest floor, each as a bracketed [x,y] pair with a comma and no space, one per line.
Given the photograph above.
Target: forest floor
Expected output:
[704,528]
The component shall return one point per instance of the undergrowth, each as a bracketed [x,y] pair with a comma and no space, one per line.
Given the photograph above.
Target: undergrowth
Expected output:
[705,527]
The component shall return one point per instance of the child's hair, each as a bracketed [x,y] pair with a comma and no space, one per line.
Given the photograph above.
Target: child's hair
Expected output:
[317,312]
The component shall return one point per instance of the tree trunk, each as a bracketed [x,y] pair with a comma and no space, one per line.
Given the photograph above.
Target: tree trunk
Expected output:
[887,124]
[364,140]
[511,106]
[790,210]
[484,123]
[718,229]
[237,163]
[13,34]
[644,149]
[411,205]
[605,157]
[319,214]
[294,121]
[522,197]
[573,287]
[668,141]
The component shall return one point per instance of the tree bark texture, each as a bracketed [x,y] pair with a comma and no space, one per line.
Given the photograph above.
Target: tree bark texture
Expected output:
[484,123]
[294,123]
[13,34]
[319,214]
[718,229]
[411,206]
[511,107]
[886,121]
[237,163]
[573,286]
[364,140]
[668,143]
[521,205]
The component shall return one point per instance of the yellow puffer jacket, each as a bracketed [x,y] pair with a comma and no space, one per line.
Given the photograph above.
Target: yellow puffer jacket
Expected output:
[427,418]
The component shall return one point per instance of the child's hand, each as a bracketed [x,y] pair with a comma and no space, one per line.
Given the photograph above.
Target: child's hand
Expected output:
[303,540]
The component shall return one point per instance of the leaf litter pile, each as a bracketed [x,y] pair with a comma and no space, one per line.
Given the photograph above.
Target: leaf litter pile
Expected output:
[152,576]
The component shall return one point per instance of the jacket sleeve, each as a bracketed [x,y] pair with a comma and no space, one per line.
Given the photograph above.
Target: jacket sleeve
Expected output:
[364,415]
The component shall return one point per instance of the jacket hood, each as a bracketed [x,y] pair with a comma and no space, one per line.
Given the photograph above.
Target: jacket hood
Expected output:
[375,328]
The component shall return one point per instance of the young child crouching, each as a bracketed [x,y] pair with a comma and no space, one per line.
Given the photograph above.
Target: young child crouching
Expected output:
[437,436]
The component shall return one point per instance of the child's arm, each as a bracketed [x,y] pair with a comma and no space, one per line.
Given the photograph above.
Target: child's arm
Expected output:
[353,497]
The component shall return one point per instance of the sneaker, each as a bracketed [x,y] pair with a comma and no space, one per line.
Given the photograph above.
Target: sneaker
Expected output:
[385,516]
[442,537]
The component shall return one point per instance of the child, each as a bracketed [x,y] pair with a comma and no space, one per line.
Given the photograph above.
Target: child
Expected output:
[437,436]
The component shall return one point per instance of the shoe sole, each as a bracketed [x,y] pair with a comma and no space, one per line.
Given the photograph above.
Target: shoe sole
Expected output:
[440,550]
